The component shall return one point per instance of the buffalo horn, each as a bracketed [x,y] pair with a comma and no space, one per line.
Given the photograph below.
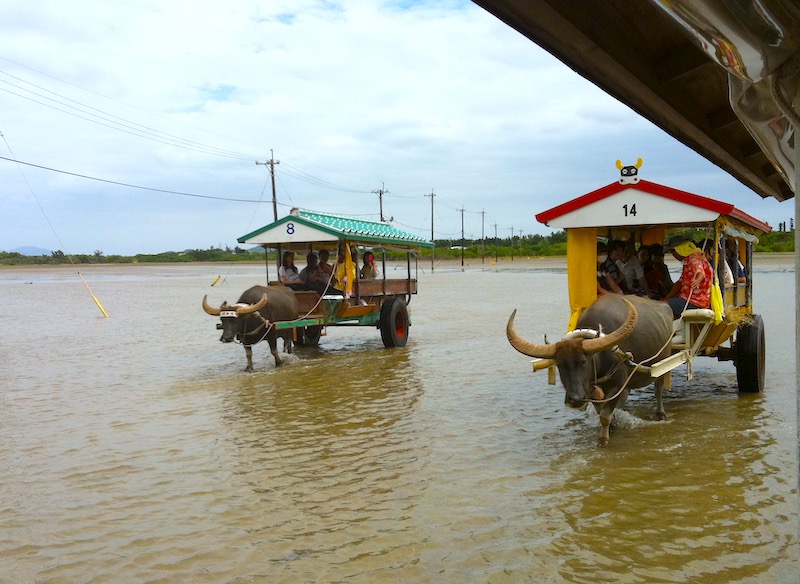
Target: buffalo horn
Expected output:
[526,347]
[612,339]
[251,308]
[210,309]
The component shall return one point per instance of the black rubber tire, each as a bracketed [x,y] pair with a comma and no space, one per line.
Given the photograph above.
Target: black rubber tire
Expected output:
[751,356]
[394,323]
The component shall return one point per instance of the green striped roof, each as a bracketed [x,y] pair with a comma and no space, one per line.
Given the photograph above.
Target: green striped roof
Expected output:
[342,227]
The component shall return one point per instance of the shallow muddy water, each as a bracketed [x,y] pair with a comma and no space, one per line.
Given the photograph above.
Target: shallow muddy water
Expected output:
[135,449]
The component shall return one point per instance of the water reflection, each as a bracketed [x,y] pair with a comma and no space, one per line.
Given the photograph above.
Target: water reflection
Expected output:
[327,445]
[682,498]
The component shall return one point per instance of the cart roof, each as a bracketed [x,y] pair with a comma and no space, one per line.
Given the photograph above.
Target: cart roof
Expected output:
[310,227]
[643,203]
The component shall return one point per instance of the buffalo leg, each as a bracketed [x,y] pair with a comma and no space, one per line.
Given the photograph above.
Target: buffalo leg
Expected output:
[248,351]
[605,426]
[661,414]
[272,339]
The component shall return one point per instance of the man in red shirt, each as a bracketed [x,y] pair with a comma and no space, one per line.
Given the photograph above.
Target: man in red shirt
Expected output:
[693,288]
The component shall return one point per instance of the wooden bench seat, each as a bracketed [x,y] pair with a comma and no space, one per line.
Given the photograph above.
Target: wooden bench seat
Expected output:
[308,300]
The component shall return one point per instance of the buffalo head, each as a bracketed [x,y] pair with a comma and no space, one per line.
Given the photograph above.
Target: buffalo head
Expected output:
[580,356]
[233,316]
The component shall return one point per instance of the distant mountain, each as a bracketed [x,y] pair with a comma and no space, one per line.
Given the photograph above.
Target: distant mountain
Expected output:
[28,250]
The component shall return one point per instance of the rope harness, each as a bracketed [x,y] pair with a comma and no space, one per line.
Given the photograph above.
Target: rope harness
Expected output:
[268,326]
[265,324]
[623,358]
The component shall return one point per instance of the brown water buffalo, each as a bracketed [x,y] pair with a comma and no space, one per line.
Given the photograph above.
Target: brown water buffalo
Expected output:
[251,319]
[590,368]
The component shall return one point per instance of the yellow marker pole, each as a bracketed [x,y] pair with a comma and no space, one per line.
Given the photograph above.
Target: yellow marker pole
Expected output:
[216,280]
[96,301]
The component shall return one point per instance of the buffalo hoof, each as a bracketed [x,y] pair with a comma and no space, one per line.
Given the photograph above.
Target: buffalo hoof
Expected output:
[661,416]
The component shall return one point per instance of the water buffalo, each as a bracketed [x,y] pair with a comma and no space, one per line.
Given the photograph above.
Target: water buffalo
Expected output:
[591,370]
[251,319]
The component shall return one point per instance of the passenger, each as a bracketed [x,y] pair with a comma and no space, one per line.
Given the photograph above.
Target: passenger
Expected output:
[345,273]
[613,280]
[288,272]
[601,257]
[606,282]
[734,263]
[708,247]
[693,288]
[652,275]
[632,270]
[312,276]
[660,283]
[370,269]
[324,266]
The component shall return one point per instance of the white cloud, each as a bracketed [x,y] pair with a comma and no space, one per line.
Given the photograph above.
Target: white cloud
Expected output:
[185,96]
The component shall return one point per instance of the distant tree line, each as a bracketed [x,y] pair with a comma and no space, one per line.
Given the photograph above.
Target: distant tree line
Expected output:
[554,244]
[213,254]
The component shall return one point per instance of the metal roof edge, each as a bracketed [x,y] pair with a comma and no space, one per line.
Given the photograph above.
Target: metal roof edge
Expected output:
[657,189]
[301,217]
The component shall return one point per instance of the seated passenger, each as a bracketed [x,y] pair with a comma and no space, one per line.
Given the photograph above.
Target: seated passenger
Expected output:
[288,273]
[324,266]
[734,263]
[632,270]
[345,274]
[370,269]
[613,280]
[652,275]
[605,282]
[660,281]
[312,276]
[693,288]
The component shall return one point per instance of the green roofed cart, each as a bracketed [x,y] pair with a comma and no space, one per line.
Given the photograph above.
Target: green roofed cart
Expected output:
[380,302]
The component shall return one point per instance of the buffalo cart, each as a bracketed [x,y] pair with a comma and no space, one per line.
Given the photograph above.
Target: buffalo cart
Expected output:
[648,213]
[376,302]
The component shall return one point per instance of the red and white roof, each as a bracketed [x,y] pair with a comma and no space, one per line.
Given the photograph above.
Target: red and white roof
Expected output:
[643,203]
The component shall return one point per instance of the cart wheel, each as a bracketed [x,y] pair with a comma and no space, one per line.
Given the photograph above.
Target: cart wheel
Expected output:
[394,323]
[311,335]
[750,356]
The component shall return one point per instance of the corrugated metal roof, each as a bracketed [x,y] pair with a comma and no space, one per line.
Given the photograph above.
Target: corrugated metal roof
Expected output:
[358,227]
[327,227]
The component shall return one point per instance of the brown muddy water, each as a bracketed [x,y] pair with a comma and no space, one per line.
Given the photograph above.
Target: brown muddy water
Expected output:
[135,449]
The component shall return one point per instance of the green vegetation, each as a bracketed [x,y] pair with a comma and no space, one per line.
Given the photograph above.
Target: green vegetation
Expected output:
[776,242]
[554,244]
[213,254]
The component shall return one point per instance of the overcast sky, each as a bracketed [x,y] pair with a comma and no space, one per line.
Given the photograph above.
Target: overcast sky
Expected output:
[351,96]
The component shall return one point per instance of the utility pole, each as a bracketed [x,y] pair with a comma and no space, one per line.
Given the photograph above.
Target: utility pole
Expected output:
[462,238]
[433,249]
[271,163]
[483,237]
[380,192]
[512,243]
[495,243]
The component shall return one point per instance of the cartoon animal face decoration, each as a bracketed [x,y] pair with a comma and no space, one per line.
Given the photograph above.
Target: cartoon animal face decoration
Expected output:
[629,175]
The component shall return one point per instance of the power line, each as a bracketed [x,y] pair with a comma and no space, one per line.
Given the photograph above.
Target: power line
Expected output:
[105,119]
[18,64]
[132,186]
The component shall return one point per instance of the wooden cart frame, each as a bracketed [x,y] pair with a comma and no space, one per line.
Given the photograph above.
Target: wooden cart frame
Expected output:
[650,213]
[380,302]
